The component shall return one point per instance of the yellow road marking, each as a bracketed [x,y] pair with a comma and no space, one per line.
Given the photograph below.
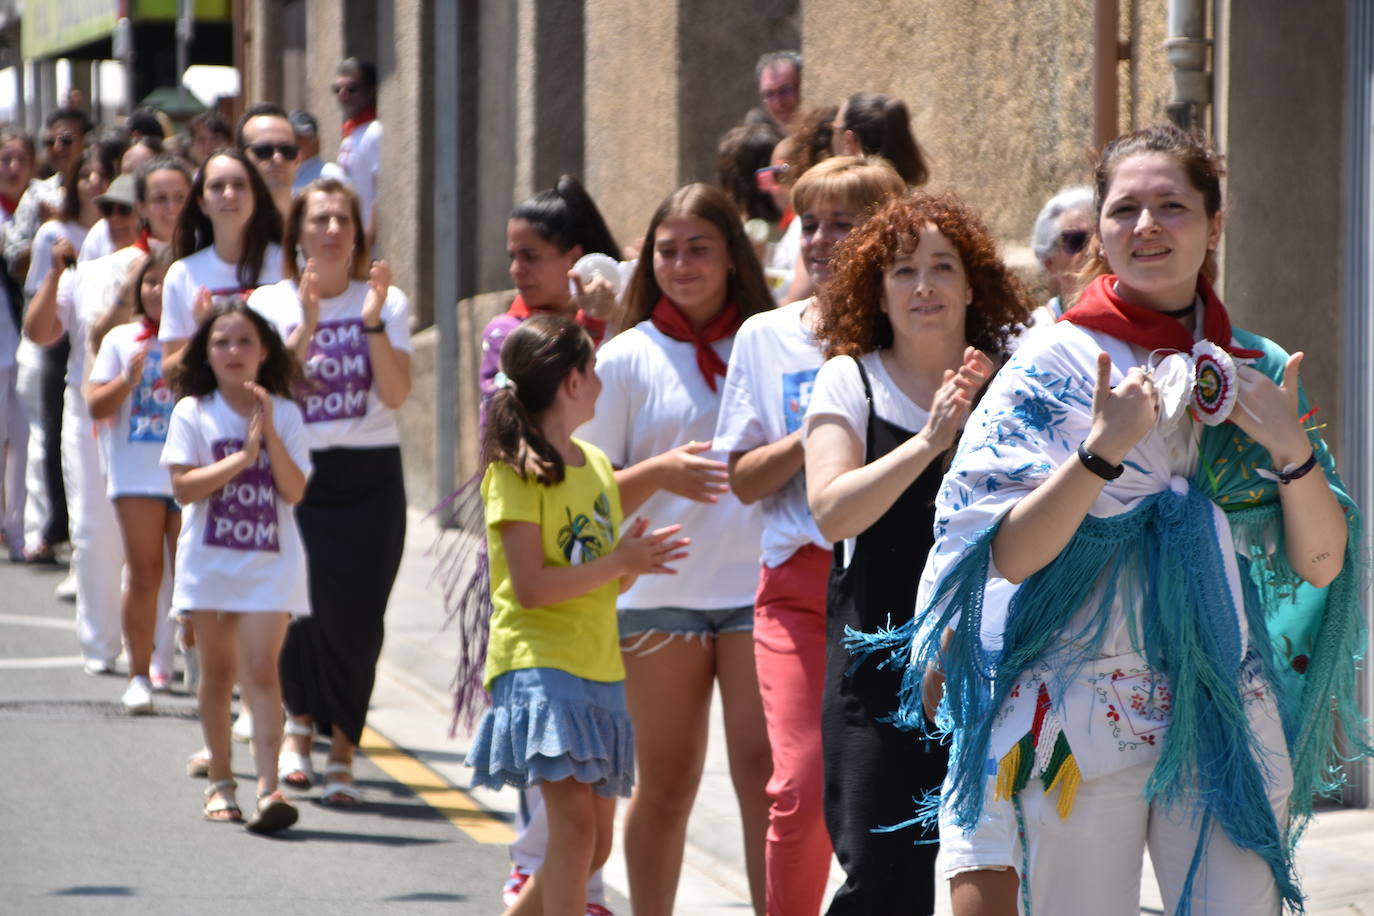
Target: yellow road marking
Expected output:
[454,804]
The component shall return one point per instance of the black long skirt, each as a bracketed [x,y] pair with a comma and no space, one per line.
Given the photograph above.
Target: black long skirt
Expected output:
[353,523]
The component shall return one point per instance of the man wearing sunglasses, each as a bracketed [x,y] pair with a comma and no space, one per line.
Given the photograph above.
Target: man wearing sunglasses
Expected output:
[265,134]
[360,152]
[64,136]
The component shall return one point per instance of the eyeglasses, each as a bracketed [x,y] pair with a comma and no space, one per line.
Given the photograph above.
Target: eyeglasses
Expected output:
[1073,241]
[109,208]
[767,178]
[341,88]
[62,140]
[264,151]
[785,91]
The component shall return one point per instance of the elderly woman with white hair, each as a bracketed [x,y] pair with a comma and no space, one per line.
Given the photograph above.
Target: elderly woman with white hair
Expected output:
[1060,241]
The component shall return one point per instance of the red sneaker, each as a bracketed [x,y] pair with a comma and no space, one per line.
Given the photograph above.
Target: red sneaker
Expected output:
[515,882]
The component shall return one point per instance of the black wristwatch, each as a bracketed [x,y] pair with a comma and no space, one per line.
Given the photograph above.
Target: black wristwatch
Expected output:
[377,328]
[1099,466]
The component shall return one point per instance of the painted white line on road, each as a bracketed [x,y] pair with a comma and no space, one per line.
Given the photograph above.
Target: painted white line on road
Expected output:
[52,661]
[27,620]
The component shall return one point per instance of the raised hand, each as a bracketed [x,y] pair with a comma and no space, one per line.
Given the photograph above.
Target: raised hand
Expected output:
[1123,415]
[378,282]
[644,551]
[1268,413]
[309,293]
[202,305]
[252,441]
[133,373]
[63,254]
[595,297]
[685,472]
[954,398]
[264,405]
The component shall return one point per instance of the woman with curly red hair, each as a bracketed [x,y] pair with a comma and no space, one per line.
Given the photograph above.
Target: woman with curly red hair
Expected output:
[917,310]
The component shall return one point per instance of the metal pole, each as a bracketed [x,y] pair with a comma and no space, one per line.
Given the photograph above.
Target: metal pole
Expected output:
[1357,460]
[186,30]
[446,236]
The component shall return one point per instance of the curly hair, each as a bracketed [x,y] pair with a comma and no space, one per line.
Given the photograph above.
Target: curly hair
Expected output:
[851,321]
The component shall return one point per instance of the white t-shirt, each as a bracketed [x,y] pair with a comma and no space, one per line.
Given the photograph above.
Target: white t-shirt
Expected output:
[653,399]
[839,392]
[786,256]
[772,371]
[341,406]
[239,548]
[204,268]
[83,295]
[360,156]
[131,441]
[97,243]
[40,255]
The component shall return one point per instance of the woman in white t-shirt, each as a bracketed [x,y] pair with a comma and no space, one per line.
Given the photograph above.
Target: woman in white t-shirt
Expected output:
[88,178]
[74,301]
[772,370]
[917,299]
[350,329]
[131,403]
[228,243]
[697,279]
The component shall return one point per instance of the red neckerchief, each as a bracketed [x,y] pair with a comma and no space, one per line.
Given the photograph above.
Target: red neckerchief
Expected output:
[141,243]
[594,327]
[147,329]
[10,204]
[1102,309]
[364,116]
[788,215]
[669,319]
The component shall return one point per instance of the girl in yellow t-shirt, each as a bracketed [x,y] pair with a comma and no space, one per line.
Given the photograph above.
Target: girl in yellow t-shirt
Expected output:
[553,670]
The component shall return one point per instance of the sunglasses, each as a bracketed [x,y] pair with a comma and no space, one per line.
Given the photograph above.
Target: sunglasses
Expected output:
[1073,241]
[109,208]
[767,177]
[264,151]
[62,140]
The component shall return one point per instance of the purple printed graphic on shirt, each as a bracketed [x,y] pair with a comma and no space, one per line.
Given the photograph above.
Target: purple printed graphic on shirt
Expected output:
[338,372]
[150,405]
[243,513]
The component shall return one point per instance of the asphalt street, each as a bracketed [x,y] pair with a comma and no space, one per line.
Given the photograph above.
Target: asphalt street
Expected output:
[98,816]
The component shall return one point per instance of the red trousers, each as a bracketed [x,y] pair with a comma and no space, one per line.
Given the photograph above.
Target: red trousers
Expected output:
[789,654]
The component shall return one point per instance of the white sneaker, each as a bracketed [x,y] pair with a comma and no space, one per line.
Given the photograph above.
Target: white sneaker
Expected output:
[138,698]
[243,727]
[97,666]
[66,589]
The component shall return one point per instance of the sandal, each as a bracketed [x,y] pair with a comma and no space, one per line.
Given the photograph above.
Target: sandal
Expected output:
[340,794]
[220,804]
[295,770]
[198,764]
[274,813]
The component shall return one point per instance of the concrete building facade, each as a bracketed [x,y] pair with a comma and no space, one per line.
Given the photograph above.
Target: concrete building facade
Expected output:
[486,102]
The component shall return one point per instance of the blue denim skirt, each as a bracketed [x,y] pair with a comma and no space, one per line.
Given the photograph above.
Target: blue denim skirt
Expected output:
[545,725]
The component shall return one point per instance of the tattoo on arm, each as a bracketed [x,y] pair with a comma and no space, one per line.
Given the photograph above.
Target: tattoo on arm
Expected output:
[1321,556]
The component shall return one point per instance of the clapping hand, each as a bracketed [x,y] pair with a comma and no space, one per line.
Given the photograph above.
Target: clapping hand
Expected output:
[954,398]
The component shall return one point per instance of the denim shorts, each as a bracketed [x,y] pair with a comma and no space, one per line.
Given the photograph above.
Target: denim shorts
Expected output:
[172,504]
[683,621]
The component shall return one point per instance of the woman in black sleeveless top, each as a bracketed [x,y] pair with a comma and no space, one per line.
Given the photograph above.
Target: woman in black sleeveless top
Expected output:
[917,300]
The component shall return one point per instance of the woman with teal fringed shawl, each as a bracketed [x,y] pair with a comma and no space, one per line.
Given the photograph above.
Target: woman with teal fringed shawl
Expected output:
[1147,623]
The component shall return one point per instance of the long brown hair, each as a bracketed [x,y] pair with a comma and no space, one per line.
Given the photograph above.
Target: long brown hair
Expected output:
[745,285]
[535,359]
[851,320]
[1193,152]
[195,231]
[882,125]
[193,377]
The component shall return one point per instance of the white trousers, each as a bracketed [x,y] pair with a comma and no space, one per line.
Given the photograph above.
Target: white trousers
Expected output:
[14,440]
[1090,863]
[38,505]
[97,548]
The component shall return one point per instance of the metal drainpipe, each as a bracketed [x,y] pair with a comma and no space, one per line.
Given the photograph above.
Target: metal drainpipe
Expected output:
[1187,46]
[1108,51]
